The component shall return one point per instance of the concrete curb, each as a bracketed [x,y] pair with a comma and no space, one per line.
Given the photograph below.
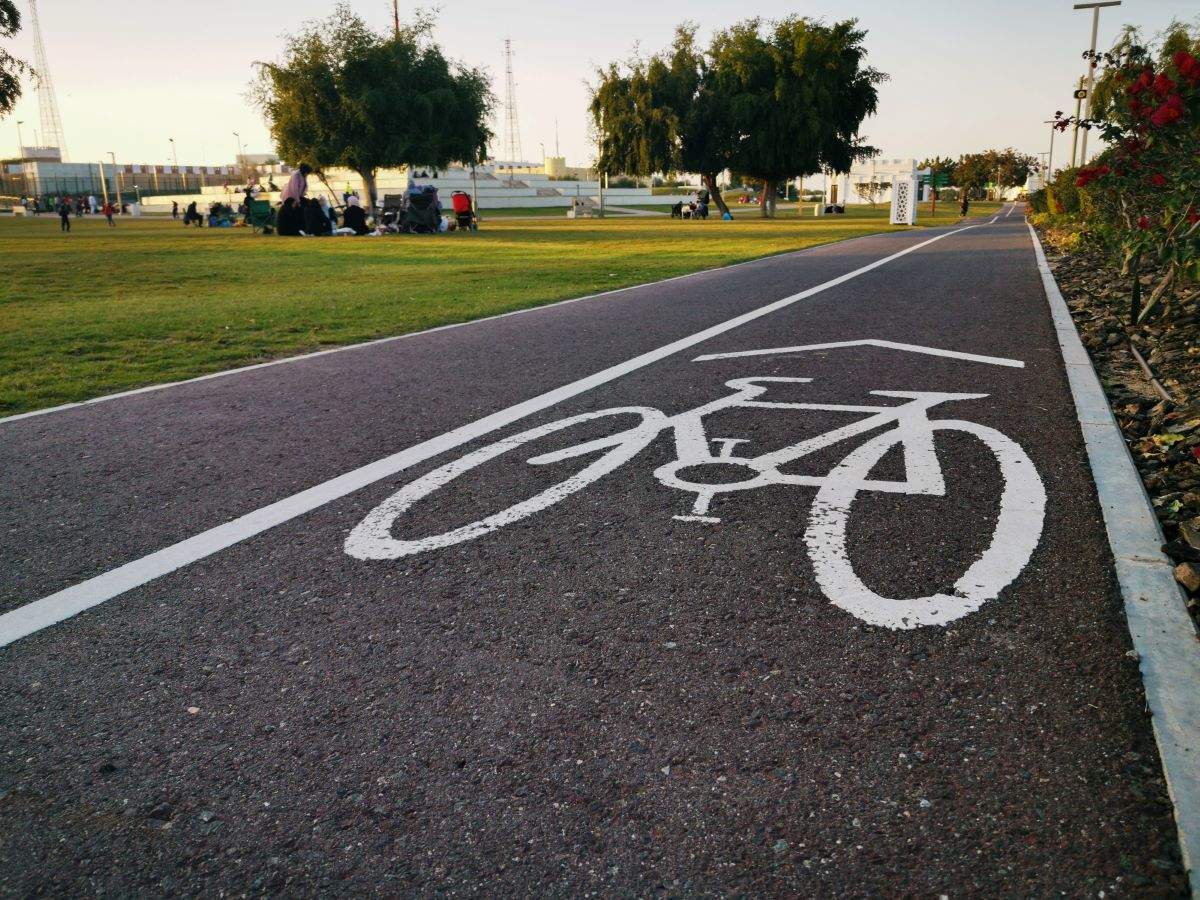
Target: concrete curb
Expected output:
[1164,637]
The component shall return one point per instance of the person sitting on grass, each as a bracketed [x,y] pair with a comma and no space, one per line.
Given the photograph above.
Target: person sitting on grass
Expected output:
[316,223]
[289,220]
[190,215]
[355,217]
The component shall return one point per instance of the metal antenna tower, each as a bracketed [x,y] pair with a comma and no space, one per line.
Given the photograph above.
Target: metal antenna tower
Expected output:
[512,136]
[52,130]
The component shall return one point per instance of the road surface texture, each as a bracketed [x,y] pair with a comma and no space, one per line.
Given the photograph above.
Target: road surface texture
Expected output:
[892,661]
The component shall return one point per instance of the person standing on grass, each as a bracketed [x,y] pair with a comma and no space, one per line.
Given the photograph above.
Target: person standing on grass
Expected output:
[964,206]
[64,216]
[109,210]
[174,209]
[297,185]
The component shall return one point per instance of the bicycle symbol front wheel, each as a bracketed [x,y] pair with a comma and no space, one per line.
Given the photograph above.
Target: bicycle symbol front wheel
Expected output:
[1017,533]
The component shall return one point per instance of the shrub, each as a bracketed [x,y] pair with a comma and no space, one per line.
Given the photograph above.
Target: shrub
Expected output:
[1141,197]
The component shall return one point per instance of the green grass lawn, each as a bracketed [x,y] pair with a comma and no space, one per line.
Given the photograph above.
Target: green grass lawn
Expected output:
[101,310]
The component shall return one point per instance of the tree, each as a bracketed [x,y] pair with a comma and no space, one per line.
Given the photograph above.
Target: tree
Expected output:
[871,190]
[1003,168]
[794,98]
[769,107]
[347,96]
[655,115]
[972,172]
[11,68]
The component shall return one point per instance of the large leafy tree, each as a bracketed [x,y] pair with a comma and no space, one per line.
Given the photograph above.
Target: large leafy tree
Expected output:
[656,115]
[1004,168]
[11,68]
[345,95]
[770,107]
[797,92]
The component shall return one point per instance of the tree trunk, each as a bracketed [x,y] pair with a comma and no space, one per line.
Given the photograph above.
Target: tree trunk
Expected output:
[765,207]
[368,179]
[714,192]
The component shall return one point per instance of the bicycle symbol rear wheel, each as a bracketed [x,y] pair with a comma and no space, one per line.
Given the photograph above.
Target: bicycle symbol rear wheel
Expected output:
[1017,533]
[372,538]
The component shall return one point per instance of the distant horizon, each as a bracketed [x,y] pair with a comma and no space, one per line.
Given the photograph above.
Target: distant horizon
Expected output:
[130,90]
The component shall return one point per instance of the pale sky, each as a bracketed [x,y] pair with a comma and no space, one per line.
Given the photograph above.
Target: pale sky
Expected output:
[966,75]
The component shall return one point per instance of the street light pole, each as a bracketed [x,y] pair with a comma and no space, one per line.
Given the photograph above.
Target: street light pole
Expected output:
[20,141]
[175,157]
[1091,72]
[1050,159]
[120,186]
[1075,130]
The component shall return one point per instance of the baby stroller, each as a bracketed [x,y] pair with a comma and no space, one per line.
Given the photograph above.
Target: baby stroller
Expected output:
[464,211]
[421,216]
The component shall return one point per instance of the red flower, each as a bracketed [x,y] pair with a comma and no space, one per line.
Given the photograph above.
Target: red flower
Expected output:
[1144,222]
[1163,85]
[1193,218]
[1157,179]
[1144,81]
[1171,110]
[1187,66]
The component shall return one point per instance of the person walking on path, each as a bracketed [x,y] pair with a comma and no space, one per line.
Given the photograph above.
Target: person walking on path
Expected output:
[64,215]
[109,210]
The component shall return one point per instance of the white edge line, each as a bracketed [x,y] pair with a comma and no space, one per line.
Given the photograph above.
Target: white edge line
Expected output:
[238,370]
[1164,636]
[38,614]
[870,342]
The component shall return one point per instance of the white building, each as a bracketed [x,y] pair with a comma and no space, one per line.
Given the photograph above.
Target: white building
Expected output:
[868,181]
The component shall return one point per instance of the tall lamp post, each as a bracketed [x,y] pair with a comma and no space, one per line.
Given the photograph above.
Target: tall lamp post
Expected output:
[1050,156]
[20,141]
[238,138]
[113,157]
[175,158]
[1091,72]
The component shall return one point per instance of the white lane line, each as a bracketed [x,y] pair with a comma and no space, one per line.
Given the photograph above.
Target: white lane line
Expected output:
[38,614]
[1164,637]
[993,222]
[871,342]
[4,420]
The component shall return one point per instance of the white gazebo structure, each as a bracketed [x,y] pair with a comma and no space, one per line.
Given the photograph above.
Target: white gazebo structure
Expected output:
[871,182]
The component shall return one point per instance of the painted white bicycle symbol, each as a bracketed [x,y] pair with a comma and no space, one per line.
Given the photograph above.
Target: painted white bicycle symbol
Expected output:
[1017,530]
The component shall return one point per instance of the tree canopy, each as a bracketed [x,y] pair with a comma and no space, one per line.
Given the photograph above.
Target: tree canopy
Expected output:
[769,101]
[1004,168]
[11,68]
[345,95]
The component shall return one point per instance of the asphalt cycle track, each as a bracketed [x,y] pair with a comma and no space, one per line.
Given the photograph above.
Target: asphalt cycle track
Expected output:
[787,577]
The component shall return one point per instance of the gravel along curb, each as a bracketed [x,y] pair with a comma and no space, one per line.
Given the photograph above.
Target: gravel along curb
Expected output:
[1164,637]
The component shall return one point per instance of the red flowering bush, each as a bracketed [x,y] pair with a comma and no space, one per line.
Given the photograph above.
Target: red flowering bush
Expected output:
[1141,197]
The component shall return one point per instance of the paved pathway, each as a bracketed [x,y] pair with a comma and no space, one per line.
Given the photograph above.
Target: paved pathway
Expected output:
[787,577]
